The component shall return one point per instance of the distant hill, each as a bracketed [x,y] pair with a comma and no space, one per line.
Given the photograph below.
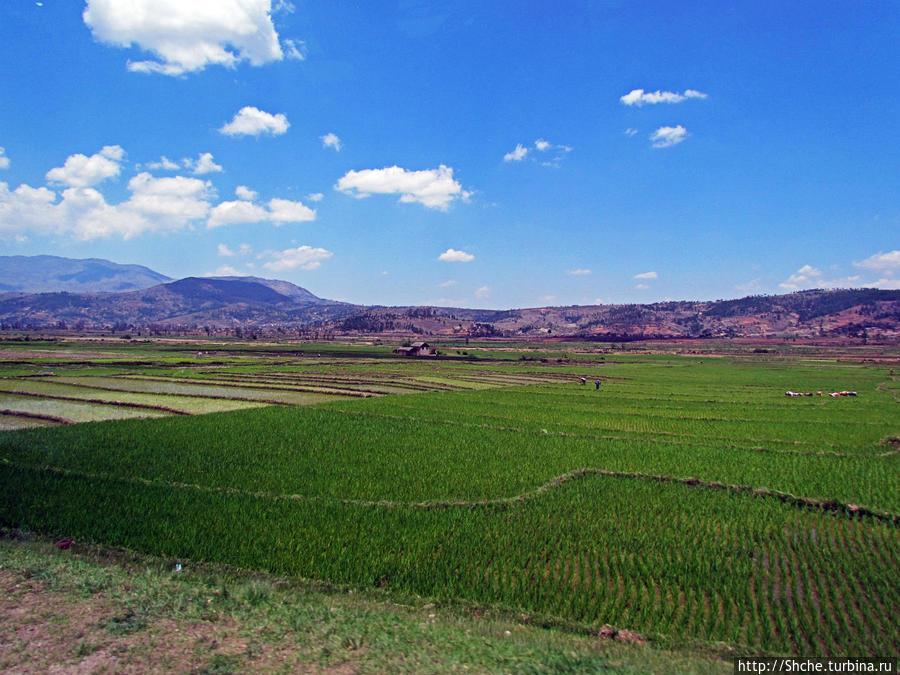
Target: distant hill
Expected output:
[277,307]
[190,302]
[49,273]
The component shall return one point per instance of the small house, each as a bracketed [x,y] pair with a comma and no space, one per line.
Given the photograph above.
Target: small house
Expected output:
[416,349]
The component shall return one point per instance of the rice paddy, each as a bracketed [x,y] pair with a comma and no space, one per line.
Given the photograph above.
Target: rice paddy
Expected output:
[683,498]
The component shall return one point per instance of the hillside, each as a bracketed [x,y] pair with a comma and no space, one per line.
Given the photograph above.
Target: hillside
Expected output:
[49,273]
[223,304]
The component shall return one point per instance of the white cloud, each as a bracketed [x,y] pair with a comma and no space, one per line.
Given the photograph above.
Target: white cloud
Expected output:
[752,285]
[630,131]
[433,188]
[28,210]
[881,261]
[225,271]
[810,277]
[303,257]
[331,141]
[203,164]
[483,292]
[639,97]
[887,284]
[187,36]
[806,275]
[579,272]
[448,283]
[665,137]
[516,155]
[646,275]
[285,211]
[4,160]
[452,255]
[226,252]
[251,121]
[641,287]
[236,213]
[294,49]
[315,196]
[81,171]
[546,299]
[245,249]
[163,163]
[243,192]
[540,145]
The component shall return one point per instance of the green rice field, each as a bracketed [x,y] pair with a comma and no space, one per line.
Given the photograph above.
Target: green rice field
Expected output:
[685,498]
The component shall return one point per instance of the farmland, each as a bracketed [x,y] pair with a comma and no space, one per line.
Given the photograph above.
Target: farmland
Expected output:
[685,498]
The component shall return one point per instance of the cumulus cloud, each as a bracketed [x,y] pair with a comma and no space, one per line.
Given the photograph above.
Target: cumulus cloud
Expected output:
[4,160]
[243,192]
[483,292]
[163,163]
[279,212]
[448,283]
[810,277]
[630,131]
[80,171]
[516,155]
[887,284]
[452,255]
[665,137]
[646,275]
[433,188]
[188,36]
[639,97]
[881,261]
[226,252]
[225,271]
[578,272]
[251,121]
[203,164]
[155,204]
[236,213]
[315,196]
[331,141]
[285,211]
[302,257]
[805,276]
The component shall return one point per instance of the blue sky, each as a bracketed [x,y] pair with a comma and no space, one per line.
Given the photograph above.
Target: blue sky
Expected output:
[479,154]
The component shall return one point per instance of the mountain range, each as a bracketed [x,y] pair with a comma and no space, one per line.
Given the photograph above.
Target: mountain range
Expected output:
[143,300]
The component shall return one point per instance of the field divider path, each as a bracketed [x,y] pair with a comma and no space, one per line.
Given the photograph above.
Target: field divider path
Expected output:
[199,382]
[847,510]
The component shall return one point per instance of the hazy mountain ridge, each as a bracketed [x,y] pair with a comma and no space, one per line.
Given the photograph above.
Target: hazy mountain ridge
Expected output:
[225,304]
[50,273]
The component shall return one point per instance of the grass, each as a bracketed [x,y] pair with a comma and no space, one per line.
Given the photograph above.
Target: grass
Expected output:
[133,612]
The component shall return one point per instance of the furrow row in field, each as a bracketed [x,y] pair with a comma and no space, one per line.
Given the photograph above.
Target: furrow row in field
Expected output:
[182,389]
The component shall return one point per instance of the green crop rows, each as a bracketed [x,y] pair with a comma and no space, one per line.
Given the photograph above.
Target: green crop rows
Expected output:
[686,499]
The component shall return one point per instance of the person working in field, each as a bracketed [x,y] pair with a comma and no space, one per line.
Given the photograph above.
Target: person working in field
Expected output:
[597,384]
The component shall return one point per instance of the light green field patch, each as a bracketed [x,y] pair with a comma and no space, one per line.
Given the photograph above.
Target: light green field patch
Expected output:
[188,404]
[462,384]
[75,411]
[147,386]
[10,422]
